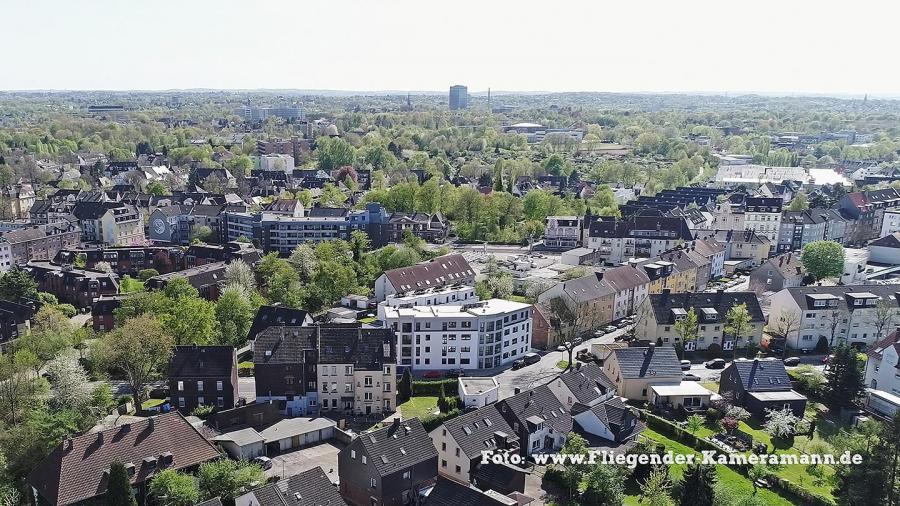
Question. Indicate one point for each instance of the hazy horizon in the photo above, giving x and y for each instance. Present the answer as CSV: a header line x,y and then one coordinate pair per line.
x,y
701,47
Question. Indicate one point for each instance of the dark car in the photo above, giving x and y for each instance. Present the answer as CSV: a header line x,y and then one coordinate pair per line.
x,y
518,364
792,361
532,358
454,373
716,363
685,365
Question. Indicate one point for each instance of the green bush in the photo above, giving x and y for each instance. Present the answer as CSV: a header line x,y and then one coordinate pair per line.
x,y
145,274
67,309
434,421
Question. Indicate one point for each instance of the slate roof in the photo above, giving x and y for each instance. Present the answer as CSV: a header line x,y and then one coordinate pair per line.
x,y
726,236
283,345
888,241
368,348
625,277
587,288
310,488
642,362
761,375
888,293
474,431
788,265
539,402
328,212
447,492
86,210
892,340
202,361
441,271
615,415
587,382
74,470
267,316
281,206
215,501
658,227
663,303
389,454
198,277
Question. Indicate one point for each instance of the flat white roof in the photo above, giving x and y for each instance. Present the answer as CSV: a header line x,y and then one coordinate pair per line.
x,y
887,396
788,395
473,385
683,388
487,307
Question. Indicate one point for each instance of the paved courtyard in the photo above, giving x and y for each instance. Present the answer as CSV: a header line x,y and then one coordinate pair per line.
x,y
322,455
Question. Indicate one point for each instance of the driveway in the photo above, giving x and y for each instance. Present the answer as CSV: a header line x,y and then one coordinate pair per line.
x,y
247,388
324,455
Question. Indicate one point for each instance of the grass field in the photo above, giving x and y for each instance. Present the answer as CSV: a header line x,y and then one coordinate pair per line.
x,y
418,407
562,364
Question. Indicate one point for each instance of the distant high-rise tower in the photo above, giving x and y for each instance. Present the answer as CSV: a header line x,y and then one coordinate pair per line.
x,y
459,97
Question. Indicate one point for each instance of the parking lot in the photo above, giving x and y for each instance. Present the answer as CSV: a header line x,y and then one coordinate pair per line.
x,y
322,455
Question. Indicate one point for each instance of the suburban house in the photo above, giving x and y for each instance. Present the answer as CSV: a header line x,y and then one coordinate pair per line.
x,y
77,469
635,370
442,271
356,370
430,227
585,384
309,488
478,392
661,311
15,319
537,418
562,232
760,386
203,376
834,313
611,420
388,466
777,273
208,279
882,381
284,365
460,441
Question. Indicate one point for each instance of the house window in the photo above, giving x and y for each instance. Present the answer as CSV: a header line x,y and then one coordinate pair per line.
x,y
219,386
368,381
220,402
201,401
457,452
443,463
348,370
353,454
406,475
364,460
180,386
458,470
181,402
199,386
372,482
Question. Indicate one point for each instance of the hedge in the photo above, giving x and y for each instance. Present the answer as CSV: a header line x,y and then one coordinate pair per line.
x,y
669,429
433,388
434,421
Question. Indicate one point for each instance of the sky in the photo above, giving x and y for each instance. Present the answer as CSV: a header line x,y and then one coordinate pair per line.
x,y
783,46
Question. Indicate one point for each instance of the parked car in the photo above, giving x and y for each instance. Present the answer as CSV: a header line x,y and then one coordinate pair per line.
x,y
560,348
263,462
689,377
454,373
609,328
432,374
716,363
599,332
792,361
685,365
531,358
577,340
518,364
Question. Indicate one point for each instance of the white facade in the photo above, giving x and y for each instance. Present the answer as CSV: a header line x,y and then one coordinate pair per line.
x,y
6,259
855,262
279,163
764,223
433,297
478,392
627,301
483,334
881,373
891,222
621,249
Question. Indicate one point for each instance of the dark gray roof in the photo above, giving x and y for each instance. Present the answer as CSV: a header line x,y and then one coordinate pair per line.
x,y
652,361
309,488
283,345
447,492
761,375
539,402
474,431
803,294
587,383
267,316
215,501
614,414
398,446
888,241
663,303
328,212
367,348
441,271
202,361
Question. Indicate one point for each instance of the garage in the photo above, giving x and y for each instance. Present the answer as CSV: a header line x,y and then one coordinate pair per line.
x,y
244,444
294,433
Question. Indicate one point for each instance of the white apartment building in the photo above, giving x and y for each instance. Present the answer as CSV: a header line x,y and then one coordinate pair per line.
x,y
891,222
478,335
763,216
881,370
851,310
453,294
279,163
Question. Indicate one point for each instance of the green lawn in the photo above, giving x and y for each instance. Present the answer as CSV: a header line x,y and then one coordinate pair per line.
x,y
418,407
152,403
712,386
562,364
727,476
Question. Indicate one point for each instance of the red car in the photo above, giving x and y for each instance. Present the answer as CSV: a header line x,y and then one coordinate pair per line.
x,y
432,374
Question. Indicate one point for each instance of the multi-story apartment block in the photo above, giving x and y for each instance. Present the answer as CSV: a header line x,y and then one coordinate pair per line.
x,y
356,370
618,240
295,147
78,287
443,271
562,232
452,294
15,319
110,223
43,242
763,216
799,228
867,209
277,162
478,335
860,315
662,311
740,244
459,97
18,201
890,223
284,365
125,260
881,366
203,376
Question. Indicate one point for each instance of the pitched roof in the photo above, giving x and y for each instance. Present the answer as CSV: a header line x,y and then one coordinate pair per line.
x,y
447,492
587,288
892,340
761,375
367,348
787,264
721,302
283,345
202,361
625,277
74,470
652,361
805,296
398,446
614,414
888,241
476,430
445,270
587,383
215,501
310,488
267,316
541,403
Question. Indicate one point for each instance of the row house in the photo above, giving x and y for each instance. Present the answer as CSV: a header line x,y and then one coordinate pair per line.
x,y
125,259
110,223
103,312
799,228
202,254
15,319
284,365
17,201
356,370
745,245
460,441
478,335
661,312
590,298
78,287
203,376
42,242
763,216
777,273
440,272
618,240
859,315
208,279
867,209
51,211
562,232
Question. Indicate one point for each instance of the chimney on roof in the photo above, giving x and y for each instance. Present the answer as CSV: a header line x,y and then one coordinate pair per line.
x,y
517,391
651,348
578,366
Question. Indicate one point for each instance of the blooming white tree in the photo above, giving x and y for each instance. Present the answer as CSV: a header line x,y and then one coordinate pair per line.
x,y
239,275
784,423
71,388
738,413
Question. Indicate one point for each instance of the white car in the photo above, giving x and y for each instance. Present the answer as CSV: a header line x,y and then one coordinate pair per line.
x,y
560,348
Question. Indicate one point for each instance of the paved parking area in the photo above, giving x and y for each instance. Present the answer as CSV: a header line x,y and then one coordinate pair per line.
x,y
322,455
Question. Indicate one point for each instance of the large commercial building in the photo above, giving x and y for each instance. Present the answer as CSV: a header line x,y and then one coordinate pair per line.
x,y
482,334
459,97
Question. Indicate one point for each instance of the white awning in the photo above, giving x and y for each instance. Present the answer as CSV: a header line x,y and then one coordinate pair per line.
x,y
685,388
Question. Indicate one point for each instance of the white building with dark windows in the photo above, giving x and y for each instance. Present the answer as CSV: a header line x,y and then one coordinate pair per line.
x,y
453,294
562,232
478,335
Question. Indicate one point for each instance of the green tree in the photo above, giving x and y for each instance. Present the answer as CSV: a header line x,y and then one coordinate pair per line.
x,y
605,486
738,325
227,479
799,203
687,329
845,382
171,488
555,164
333,153
823,259
202,234
145,274
573,474
694,423
655,490
332,196
157,188
698,485
191,320
234,315
139,348
405,389
757,473
118,489
17,284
